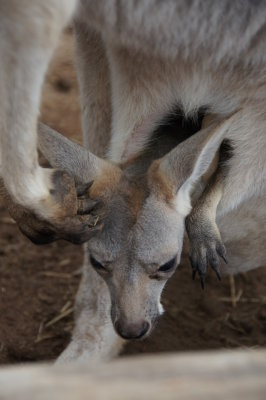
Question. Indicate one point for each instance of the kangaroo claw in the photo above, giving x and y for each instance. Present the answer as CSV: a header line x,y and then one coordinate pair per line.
x,y
202,281
220,248
206,247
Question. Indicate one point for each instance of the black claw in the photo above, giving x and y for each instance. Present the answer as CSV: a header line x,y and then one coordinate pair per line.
x,y
194,267
194,274
222,252
214,262
225,259
202,266
218,274
202,281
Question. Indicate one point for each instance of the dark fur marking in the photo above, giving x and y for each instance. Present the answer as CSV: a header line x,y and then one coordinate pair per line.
x,y
171,131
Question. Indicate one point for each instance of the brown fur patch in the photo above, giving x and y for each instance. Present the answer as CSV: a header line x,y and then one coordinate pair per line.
x,y
137,194
159,183
107,182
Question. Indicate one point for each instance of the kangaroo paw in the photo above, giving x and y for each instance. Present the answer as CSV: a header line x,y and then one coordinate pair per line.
x,y
73,216
206,246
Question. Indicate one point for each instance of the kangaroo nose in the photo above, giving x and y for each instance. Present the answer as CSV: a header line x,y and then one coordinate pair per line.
x,y
132,331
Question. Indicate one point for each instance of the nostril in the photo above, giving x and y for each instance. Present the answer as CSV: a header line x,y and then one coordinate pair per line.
x,y
145,328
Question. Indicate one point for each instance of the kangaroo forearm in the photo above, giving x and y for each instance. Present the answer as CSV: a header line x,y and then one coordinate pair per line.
x,y
211,196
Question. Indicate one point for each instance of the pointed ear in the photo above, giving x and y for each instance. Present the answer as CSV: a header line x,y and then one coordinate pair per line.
x,y
68,156
190,160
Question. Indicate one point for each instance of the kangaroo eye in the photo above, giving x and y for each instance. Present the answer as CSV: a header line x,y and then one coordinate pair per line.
x,y
168,266
96,264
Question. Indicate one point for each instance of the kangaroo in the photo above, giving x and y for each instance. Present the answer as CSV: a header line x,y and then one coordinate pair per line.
x,y
139,64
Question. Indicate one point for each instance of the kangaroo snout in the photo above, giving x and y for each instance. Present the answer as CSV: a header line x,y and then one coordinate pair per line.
x,y
132,331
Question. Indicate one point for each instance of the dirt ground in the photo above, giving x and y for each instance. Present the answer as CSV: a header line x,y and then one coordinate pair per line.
x,y
38,284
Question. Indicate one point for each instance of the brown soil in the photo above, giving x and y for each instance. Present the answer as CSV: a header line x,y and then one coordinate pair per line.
x,y
37,282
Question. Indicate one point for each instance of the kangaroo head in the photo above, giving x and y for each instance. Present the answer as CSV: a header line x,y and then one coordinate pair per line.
x,y
139,247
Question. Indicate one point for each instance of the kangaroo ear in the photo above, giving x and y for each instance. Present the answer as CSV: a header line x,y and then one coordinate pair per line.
x,y
68,156
190,160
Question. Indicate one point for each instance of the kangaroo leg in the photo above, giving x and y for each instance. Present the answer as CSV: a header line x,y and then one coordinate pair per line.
x,y
94,338
95,92
206,245
29,34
